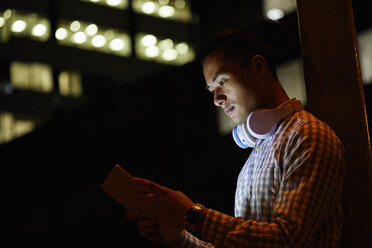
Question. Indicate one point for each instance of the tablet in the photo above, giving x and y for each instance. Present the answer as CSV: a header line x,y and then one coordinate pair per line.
x,y
120,186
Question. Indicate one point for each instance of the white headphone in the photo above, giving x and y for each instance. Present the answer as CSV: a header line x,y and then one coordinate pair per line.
x,y
262,123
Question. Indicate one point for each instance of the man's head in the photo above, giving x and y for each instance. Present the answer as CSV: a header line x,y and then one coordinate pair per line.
x,y
239,69
239,44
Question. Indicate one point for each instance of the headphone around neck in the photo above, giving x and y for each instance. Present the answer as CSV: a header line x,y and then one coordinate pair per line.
x,y
262,123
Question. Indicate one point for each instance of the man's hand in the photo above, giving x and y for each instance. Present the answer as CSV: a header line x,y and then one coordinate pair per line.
x,y
170,207
148,228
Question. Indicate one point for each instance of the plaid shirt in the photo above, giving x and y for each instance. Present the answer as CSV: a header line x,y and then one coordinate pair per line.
x,y
288,192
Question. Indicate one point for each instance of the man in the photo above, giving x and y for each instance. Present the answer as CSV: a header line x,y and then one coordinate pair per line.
x,y
289,190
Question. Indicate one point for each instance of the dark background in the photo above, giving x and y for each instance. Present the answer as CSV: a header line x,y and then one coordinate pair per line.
x,y
162,127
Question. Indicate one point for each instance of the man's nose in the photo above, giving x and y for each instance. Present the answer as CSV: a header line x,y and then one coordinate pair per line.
x,y
219,98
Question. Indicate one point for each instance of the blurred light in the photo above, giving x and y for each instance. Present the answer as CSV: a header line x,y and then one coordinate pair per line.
x,y
61,33
166,11
93,37
18,26
285,6
148,7
7,126
75,26
79,37
113,3
275,14
116,44
364,40
109,34
8,89
169,54
182,48
98,41
180,4
91,30
166,44
70,84
7,14
39,30
151,51
23,127
148,40
63,82
163,2
1,21
41,79
292,78
94,1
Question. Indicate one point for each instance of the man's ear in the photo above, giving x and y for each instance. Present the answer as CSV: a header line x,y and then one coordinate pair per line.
x,y
260,65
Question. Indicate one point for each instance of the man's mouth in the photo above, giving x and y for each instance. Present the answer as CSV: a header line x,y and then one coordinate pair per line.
x,y
229,110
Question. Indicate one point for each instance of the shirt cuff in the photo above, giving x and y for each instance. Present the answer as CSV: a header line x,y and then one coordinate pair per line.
x,y
214,227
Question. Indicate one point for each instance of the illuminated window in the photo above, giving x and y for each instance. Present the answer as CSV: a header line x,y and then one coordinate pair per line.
x,y
31,76
150,47
276,9
169,9
70,84
24,24
365,55
119,4
12,127
93,37
291,77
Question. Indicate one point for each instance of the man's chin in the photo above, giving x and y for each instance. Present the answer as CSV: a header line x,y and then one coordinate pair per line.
x,y
238,121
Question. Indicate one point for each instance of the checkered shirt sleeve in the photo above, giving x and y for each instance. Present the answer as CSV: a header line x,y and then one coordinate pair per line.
x,y
305,208
187,240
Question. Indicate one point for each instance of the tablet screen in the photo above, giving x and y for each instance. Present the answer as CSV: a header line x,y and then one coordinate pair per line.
x,y
120,186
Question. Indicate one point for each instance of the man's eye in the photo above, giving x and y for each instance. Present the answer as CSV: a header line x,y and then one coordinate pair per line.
x,y
222,82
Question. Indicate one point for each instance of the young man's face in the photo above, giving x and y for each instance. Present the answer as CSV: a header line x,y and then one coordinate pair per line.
x,y
234,87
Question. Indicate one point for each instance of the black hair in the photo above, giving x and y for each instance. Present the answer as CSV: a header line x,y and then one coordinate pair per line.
x,y
240,44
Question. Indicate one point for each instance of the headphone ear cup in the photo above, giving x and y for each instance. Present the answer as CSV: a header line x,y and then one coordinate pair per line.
x,y
262,123
242,137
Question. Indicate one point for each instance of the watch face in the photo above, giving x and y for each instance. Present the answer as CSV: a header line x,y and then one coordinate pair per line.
x,y
193,217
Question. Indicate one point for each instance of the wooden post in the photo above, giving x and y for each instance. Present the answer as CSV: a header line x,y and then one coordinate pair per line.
x,y
335,95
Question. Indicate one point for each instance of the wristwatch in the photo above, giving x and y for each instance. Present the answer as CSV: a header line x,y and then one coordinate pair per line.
x,y
193,215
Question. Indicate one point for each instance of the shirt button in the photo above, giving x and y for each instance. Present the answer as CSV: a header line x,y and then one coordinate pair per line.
x,y
258,148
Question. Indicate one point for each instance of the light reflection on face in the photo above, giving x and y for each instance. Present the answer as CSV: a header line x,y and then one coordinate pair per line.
x,y
233,86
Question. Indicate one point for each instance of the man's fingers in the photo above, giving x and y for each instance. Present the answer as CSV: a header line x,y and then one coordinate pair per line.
x,y
149,230
151,186
147,227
